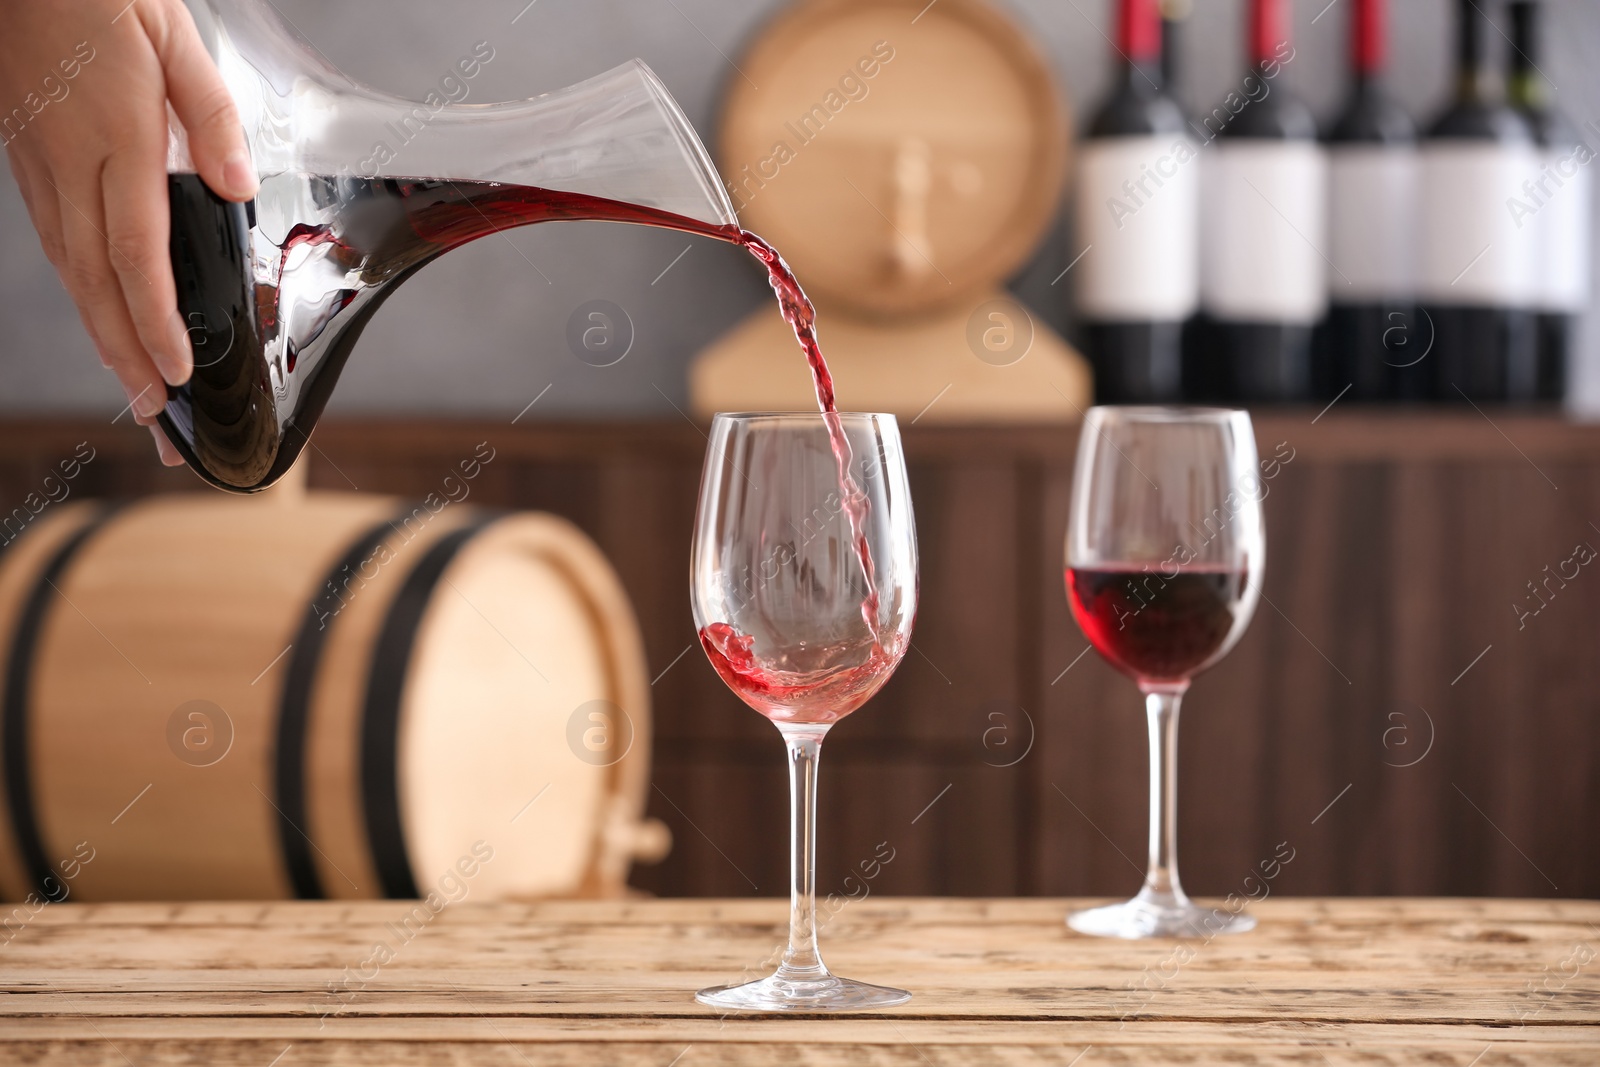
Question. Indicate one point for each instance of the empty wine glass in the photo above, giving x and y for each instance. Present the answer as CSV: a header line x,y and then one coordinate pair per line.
x,y
803,578
1164,554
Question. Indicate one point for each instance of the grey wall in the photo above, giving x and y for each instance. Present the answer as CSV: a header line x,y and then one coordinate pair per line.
x,y
481,331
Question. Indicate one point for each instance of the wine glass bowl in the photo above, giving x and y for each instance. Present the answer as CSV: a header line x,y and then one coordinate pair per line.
x,y
786,611
803,577
1165,549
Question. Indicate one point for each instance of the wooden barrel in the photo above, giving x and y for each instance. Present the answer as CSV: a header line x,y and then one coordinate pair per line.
x,y
320,696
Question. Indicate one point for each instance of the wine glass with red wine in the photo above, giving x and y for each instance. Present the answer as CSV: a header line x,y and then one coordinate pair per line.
x,y
1165,549
804,584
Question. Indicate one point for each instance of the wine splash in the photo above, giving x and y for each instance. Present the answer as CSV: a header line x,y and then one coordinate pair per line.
x,y
277,291
820,696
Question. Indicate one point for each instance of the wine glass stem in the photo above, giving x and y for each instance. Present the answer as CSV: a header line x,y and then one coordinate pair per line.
x,y
1161,884
801,960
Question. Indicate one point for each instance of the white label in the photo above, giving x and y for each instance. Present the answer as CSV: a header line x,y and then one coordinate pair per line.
x,y
1556,205
1372,197
1139,218
1473,252
1262,233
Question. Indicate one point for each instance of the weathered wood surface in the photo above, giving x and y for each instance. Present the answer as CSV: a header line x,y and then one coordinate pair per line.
x,y
1351,981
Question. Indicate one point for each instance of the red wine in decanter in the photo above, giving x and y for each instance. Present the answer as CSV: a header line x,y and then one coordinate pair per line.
x,y
272,329
275,293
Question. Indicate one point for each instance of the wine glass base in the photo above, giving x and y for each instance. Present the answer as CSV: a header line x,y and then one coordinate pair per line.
x,y
1138,918
828,993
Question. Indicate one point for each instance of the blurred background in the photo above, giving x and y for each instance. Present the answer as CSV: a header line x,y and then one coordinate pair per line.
x,y
503,339
1411,708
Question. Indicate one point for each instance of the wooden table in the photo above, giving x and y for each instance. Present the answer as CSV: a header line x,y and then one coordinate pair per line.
x,y
1321,981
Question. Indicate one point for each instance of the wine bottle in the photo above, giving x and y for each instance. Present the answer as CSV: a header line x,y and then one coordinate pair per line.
x,y
1478,269
1556,205
1262,240
1138,211
1369,347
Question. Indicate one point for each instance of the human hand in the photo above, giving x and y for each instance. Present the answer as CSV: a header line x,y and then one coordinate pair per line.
x,y
84,89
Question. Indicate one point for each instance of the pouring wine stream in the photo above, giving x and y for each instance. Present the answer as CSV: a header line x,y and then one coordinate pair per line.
x,y
282,288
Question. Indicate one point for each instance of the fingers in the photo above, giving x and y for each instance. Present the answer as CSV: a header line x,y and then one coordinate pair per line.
x,y
136,209
97,291
203,104
170,456
43,211
93,177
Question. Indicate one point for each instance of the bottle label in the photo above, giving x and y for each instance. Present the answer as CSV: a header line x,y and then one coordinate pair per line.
x,y
1263,227
1138,217
1556,205
1372,198
1472,250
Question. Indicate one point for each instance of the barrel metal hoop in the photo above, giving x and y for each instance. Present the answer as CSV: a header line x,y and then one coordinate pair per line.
x,y
294,713
380,720
14,708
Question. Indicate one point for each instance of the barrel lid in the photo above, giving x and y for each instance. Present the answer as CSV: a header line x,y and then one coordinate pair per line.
x,y
901,154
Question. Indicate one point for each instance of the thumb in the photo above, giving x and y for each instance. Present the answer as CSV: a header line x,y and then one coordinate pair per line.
x,y
201,100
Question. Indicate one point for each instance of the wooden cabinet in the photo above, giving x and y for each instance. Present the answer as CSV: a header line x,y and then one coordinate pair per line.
x,y
1391,712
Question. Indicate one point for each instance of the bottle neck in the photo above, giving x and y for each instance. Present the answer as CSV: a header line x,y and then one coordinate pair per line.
x,y
1365,86
1269,31
1368,38
1477,80
1526,87
1174,13
1141,78
1139,38
1171,33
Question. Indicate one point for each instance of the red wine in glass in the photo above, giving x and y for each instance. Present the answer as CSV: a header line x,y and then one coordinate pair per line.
x,y
1158,625
777,596
1165,549
845,677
